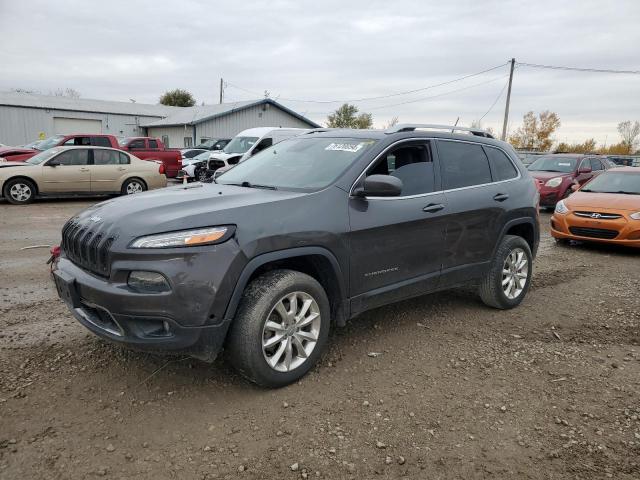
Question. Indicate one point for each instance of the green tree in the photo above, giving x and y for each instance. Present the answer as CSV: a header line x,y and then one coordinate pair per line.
x,y
347,117
177,98
536,132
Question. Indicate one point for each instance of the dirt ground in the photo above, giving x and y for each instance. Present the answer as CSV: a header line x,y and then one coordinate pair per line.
x,y
549,390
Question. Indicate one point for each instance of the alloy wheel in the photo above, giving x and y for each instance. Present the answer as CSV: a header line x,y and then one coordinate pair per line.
x,y
134,187
20,192
515,272
291,331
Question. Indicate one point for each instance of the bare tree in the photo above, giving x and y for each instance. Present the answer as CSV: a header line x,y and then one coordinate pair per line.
x,y
629,131
391,123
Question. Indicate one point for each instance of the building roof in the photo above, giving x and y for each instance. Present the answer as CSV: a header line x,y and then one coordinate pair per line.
x,y
50,102
199,114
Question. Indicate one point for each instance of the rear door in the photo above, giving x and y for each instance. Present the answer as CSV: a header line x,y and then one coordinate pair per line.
x,y
476,206
109,167
396,242
71,175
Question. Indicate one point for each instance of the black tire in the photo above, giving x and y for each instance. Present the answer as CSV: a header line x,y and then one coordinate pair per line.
x,y
244,349
130,182
26,191
491,290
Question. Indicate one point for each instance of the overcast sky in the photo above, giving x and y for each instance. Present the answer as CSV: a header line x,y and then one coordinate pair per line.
x,y
338,50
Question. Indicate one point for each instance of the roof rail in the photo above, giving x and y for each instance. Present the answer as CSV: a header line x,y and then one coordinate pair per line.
x,y
410,127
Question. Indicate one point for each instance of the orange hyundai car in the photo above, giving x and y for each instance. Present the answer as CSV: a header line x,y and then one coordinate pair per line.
x,y
607,209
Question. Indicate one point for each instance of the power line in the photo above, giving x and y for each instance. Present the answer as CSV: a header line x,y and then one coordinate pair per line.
x,y
495,101
578,69
355,100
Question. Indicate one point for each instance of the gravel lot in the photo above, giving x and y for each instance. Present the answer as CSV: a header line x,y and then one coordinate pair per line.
x,y
549,390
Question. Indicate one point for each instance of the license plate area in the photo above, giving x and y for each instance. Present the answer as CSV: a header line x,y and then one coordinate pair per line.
x,y
66,287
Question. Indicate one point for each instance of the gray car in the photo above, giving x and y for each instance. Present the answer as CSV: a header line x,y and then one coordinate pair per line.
x,y
299,239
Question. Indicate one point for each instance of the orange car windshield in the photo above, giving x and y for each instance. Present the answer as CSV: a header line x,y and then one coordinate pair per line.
x,y
624,183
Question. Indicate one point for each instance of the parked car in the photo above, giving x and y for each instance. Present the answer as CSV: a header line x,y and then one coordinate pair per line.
x,y
248,143
80,139
214,144
16,154
607,209
195,168
555,173
78,171
301,238
625,160
187,153
147,148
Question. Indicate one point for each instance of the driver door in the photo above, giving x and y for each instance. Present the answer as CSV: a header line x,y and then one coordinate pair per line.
x,y
70,175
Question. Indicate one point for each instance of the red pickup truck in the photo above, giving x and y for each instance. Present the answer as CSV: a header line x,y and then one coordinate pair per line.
x,y
144,148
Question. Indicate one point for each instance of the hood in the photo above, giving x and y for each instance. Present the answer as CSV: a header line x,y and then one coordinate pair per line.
x,y
14,164
603,201
4,150
221,155
178,208
549,175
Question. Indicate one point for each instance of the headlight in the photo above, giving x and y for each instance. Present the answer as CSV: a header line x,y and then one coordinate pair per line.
x,y
184,238
561,208
554,182
635,216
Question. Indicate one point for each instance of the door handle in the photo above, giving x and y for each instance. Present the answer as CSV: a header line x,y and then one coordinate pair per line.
x,y
501,197
84,169
122,169
433,207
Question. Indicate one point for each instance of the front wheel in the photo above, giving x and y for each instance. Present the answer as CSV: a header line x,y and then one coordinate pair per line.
x,y
19,191
506,283
133,185
280,329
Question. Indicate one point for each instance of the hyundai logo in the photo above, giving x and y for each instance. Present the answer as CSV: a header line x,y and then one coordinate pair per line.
x,y
595,215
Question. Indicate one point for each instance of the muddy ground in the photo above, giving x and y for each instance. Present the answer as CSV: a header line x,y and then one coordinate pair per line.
x,y
549,390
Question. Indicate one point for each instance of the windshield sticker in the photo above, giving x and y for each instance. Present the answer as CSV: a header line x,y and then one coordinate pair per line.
x,y
344,147
564,164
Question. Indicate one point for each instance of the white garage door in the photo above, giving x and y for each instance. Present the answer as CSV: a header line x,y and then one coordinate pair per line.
x,y
67,126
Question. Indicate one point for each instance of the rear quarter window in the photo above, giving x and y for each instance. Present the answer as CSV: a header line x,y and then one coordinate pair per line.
x,y
501,167
463,164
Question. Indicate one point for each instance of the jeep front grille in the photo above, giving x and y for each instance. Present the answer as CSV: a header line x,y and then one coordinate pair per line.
x,y
86,247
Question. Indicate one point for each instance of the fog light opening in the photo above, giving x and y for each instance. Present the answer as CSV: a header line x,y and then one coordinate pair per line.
x,y
147,282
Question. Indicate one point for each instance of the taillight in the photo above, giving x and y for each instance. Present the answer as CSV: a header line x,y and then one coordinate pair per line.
x,y
161,169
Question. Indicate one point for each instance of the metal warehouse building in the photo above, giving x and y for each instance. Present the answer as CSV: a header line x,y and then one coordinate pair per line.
x,y
27,117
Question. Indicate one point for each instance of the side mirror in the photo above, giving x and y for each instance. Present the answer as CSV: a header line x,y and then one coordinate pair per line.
x,y
584,170
379,186
53,163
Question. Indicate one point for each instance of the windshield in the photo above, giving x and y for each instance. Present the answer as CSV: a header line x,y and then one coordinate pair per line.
x,y
240,144
49,143
300,164
615,182
43,156
207,143
552,163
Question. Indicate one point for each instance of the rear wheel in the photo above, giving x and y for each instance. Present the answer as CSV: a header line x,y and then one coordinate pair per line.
x,y
133,185
19,191
506,283
280,329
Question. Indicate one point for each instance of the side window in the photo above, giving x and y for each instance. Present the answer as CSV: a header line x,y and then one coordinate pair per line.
x,y
100,141
595,164
73,157
137,144
264,143
153,144
77,141
124,158
463,164
501,167
106,157
411,163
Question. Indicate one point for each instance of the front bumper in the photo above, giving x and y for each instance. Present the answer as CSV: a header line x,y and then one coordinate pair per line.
x,y
188,320
550,196
628,229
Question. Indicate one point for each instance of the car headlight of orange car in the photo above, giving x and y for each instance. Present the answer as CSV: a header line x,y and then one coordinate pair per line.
x,y
635,216
561,208
554,182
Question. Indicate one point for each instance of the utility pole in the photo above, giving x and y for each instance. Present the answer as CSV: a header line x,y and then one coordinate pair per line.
x,y
222,89
506,107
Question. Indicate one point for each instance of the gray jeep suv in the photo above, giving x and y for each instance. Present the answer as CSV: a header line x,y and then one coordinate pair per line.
x,y
301,237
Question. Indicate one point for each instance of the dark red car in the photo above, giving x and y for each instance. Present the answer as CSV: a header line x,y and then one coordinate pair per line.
x,y
555,173
16,154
